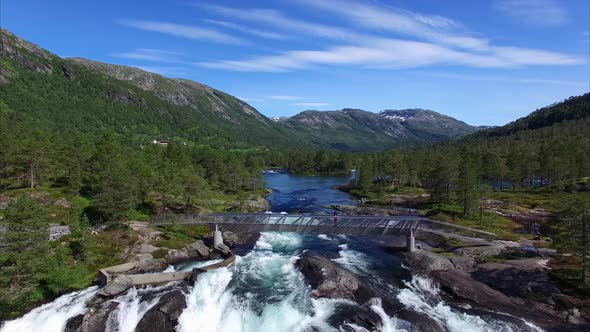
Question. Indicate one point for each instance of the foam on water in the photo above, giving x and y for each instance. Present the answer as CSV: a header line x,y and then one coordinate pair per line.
x,y
191,265
326,237
422,296
51,317
131,310
278,241
263,291
353,260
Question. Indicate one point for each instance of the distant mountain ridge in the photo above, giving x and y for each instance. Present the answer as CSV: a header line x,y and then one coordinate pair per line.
x,y
359,130
81,95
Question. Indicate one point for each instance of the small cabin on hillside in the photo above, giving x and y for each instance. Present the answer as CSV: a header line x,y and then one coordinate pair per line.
x,y
160,142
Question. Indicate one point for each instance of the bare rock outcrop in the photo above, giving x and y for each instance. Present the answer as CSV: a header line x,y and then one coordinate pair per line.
x,y
164,315
330,280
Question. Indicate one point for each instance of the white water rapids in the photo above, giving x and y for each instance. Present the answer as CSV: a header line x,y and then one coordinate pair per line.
x,y
262,291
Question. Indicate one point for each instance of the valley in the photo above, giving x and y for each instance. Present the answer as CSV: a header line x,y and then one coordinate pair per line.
x,y
104,150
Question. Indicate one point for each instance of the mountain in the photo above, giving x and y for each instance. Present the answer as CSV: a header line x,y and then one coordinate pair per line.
x,y
358,130
429,125
571,109
84,96
87,96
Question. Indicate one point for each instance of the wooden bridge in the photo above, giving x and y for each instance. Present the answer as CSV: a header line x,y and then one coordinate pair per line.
x,y
406,225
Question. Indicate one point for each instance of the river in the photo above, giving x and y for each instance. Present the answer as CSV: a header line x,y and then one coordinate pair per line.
x,y
309,194
264,291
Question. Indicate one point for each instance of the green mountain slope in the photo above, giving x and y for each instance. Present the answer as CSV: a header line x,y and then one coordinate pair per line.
x,y
571,109
87,96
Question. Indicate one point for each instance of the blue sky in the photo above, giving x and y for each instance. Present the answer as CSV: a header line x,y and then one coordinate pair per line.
x,y
484,62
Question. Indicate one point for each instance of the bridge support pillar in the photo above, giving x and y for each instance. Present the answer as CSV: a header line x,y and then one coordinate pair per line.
x,y
217,238
410,241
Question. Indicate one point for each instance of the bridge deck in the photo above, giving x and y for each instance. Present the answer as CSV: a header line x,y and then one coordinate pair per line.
x,y
322,224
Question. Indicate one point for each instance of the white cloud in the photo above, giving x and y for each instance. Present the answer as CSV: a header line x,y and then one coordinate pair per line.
x,y
184,31
440,41
538,12
279,21
311,104
395,53
386,19
149,54
248,30
511,79
284,97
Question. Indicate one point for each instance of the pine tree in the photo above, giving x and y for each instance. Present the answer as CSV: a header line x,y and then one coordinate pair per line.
x,y
467,182
575,234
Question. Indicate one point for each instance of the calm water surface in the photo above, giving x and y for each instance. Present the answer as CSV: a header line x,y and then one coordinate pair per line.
x,y
302,193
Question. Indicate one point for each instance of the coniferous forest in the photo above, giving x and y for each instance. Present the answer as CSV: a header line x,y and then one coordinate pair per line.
x,y
80,148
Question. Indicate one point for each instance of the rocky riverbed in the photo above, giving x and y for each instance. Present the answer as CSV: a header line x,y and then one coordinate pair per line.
x,y
290,282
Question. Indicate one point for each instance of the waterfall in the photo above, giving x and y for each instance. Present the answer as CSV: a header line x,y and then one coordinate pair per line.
x,y
52,317
264,291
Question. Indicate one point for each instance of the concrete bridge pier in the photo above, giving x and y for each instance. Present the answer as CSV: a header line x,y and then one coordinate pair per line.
x,y
217,238
410,241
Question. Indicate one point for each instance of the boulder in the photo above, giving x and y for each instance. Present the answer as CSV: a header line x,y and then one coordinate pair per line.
x,y
460,285
463,263
525,278
115,287
199,247
176,256
146,263
330,280
246,240
422,261
494,248
223,249
164,315
95,320
74,324
363,316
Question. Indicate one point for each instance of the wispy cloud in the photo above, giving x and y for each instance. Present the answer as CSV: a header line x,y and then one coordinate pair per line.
x,y
393,53
511,79
437,40
149,54
276,19
394,20
284,97
248,30
538,12
184,31
311,104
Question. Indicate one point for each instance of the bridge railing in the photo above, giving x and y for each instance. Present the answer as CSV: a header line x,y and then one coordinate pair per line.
x,y
345,224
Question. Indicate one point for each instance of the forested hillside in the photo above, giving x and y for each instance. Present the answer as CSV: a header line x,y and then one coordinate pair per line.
x,y
571,109
71,95
76,95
